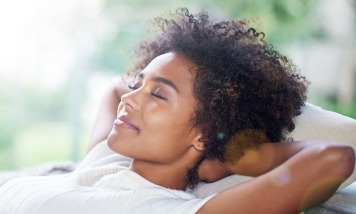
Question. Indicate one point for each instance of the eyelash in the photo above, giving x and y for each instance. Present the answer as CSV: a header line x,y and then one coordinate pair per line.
x,y
152,93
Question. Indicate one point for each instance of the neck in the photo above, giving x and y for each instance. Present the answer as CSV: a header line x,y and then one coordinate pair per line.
x,y
171,175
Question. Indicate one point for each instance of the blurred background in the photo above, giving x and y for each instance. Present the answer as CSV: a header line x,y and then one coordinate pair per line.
x,y
57,56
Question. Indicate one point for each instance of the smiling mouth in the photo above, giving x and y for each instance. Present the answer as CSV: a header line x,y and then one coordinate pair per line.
x,y
123,121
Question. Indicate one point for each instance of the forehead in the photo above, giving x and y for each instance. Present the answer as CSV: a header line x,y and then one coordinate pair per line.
x,y
172,66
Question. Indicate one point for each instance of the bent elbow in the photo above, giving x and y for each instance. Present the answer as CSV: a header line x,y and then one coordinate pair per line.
x,y
340,159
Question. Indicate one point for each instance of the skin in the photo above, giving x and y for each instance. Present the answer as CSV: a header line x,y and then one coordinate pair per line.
x,y
290,177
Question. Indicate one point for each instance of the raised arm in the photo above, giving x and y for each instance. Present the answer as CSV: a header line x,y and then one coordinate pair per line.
x,y
293,177
107,110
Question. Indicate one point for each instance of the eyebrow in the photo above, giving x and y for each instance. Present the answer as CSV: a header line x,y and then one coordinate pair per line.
x,y
161,80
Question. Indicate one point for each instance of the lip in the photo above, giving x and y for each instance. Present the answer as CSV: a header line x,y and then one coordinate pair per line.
x,y
125,122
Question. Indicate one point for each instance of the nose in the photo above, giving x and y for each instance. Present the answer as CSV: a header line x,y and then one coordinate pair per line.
x,y
131,100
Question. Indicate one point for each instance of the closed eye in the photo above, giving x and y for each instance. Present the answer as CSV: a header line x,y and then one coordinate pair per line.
x,y
156,93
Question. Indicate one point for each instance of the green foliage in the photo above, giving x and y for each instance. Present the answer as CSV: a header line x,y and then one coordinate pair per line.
x,y
46,105
330,102
21,109
7,122
114,53
7,134
36,144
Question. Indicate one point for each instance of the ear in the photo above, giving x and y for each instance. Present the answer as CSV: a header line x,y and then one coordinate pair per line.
x,y
198,143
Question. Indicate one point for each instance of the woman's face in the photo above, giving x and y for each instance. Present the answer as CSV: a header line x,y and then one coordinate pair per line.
x,y
153,120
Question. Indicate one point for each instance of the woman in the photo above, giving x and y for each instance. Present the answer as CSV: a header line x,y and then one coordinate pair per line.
x,y
207,100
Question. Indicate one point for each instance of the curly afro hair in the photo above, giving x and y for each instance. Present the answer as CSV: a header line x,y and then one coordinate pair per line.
x,y
241,82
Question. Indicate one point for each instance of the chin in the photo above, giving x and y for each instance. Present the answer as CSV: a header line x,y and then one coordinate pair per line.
x,y
112,137
115,143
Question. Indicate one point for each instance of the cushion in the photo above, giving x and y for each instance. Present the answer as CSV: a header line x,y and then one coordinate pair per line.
x,y
343,201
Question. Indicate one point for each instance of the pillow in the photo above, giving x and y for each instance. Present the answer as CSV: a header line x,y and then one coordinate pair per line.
x,y
314,123
343,201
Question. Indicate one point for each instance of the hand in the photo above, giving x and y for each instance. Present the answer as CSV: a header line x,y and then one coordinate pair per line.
x,y
212,170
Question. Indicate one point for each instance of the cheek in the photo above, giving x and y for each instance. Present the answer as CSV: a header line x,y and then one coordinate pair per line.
x,y
167,118
167,127
168,139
